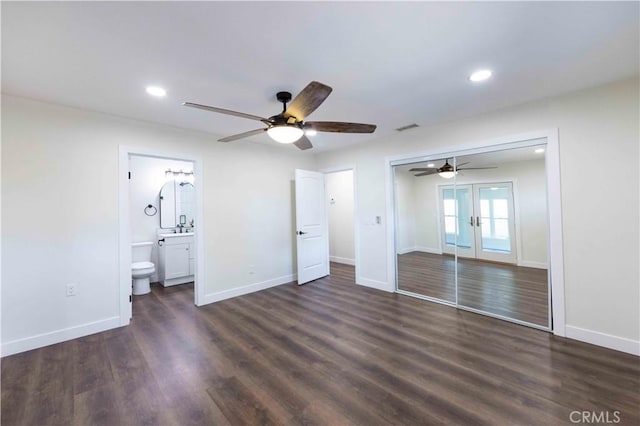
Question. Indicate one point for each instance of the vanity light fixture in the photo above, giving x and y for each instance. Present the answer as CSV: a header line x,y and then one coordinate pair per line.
x,y
179,176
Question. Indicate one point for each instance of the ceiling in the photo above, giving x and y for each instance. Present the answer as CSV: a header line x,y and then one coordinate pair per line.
x,y
390,64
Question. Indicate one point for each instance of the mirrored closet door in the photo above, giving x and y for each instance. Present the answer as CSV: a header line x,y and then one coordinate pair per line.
x,y
471,231
422,267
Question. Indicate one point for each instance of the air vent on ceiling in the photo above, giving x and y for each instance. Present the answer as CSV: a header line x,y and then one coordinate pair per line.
x,y
407,127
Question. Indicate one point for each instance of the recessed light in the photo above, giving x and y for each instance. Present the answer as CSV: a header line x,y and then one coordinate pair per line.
x,y
480,75
156,91
539,150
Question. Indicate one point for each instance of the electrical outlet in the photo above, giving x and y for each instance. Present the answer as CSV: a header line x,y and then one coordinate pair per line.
x,y
71,289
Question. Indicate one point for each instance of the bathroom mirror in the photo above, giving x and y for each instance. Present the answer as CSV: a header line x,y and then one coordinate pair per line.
x,y
176,204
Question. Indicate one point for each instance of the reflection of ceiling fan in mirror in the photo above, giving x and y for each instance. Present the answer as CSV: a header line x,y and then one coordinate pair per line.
x,y
289,126
446,171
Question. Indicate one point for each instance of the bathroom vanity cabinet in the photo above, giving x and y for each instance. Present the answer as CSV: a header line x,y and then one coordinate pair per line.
x,y
176,258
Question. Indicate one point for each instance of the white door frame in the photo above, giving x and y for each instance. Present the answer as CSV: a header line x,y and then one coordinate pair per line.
x,y
554,206
356,230
124,224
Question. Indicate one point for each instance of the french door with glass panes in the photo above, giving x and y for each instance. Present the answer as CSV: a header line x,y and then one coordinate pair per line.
x,y
478,219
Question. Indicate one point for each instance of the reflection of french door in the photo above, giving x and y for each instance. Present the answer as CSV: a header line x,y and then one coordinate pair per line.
x,y
478,219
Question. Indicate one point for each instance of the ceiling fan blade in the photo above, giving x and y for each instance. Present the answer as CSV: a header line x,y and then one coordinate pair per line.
x,y
421,169
476,168
308,100
242,135
340,127
462,164
429,172
303,143
225,111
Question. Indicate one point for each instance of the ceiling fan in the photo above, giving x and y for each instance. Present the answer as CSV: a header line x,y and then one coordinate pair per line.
x,y
447,171
289,126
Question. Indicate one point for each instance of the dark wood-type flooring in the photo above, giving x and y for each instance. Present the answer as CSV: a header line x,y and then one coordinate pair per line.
x,y
511,291
329,352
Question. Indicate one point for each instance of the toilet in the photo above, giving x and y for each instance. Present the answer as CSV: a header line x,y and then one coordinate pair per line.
x,y
141,267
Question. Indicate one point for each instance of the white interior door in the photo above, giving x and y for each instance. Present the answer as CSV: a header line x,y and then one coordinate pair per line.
x,y
312,235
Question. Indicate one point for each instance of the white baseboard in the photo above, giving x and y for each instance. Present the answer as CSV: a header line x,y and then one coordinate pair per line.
x,y
406,250
533,264
343,260
251,288
378,285
421,249
621,344
58,336
428,250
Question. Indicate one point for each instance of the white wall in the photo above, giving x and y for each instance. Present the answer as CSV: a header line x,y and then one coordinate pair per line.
x,y
147,178
425,193
405,211
600,220
339,188
60,198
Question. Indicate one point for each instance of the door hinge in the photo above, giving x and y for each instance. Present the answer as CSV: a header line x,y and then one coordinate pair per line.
x,y
129,175
129,298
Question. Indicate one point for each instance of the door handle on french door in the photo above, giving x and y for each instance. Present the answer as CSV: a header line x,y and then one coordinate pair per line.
x,y
471,221
478,221
301,232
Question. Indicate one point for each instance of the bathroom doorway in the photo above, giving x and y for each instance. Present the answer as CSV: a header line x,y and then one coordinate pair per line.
x,y
160,211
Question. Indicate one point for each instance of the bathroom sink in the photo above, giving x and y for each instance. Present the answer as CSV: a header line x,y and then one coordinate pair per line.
x,y
172,235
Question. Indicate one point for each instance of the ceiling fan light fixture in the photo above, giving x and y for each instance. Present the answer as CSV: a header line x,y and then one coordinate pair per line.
x,y
285,133
447,174
447,171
